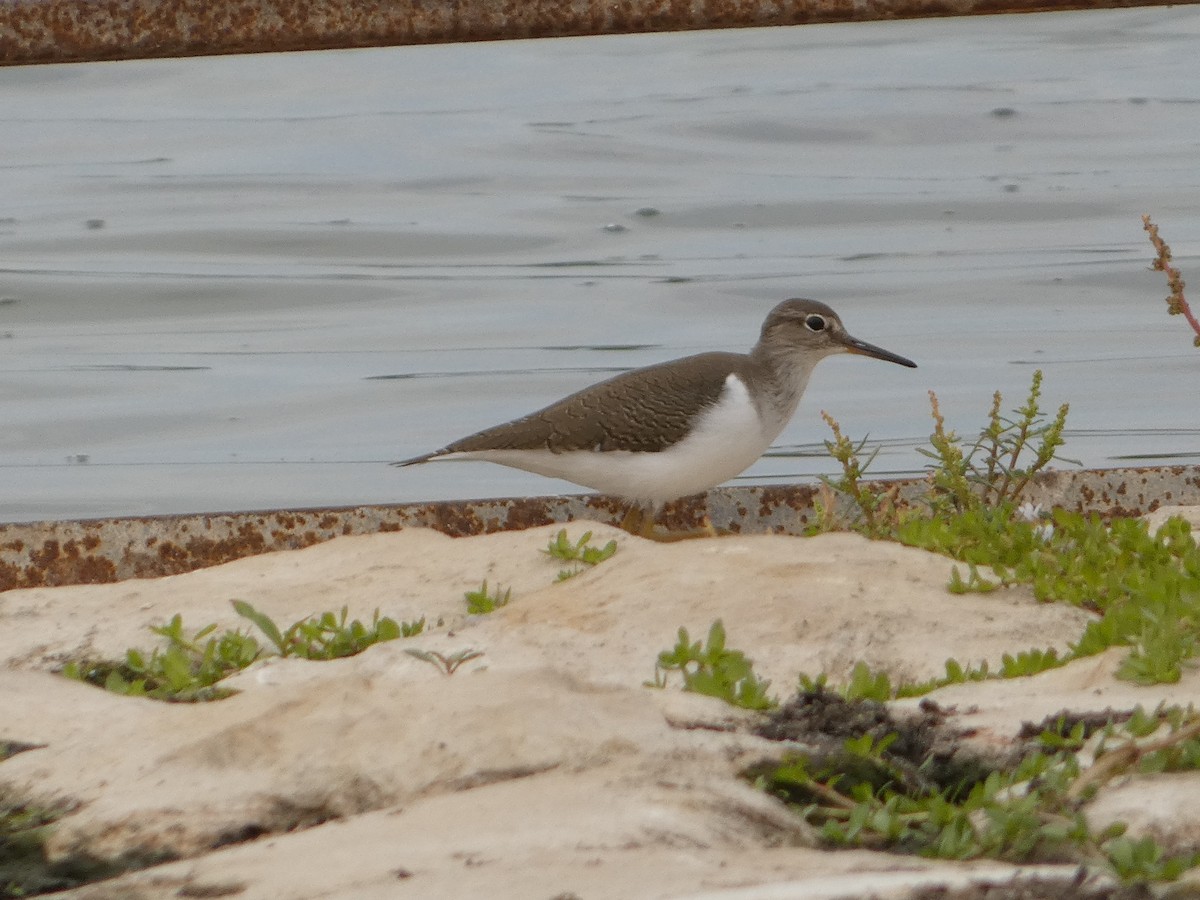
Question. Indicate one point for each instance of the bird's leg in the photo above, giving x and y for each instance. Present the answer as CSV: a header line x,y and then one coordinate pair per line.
x,y
649,514
639,520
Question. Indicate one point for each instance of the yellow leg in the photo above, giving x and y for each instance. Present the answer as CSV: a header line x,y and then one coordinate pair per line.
x,y
640,521
634,520
704,531
648,525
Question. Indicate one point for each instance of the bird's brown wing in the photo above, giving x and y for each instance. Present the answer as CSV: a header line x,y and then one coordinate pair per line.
x,y
645,411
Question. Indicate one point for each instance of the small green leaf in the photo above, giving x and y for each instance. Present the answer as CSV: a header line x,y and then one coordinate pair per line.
x,y
388,630
264,623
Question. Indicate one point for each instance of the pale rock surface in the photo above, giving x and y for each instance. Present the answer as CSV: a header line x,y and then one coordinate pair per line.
x,y
542,768
1160,806
1156,519
993,711
803,604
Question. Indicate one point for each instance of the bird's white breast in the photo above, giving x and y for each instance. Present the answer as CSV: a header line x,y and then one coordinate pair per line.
x,y
723,442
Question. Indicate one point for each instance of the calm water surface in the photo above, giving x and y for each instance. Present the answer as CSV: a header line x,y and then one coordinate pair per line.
x,y
248,282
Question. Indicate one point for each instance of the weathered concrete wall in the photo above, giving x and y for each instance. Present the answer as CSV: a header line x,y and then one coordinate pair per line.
x,y
102,550
44,31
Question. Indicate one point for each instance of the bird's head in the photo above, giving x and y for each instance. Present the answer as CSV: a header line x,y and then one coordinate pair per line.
x,y
812,330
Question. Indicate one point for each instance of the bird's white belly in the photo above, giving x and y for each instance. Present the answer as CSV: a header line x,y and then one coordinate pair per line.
x,y
724,441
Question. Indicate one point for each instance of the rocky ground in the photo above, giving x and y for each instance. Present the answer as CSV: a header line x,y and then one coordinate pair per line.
x,y
544,767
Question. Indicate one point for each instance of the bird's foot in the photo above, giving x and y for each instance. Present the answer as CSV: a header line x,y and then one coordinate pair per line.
x,y
640,522
669,537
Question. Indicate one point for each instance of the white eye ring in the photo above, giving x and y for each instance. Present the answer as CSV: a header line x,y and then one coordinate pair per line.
x,y
813,322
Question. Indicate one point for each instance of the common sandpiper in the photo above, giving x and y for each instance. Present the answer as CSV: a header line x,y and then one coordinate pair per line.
x,y
676,428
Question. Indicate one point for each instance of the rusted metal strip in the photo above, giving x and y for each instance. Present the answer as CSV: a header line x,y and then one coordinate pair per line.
x,y
102,550
43,31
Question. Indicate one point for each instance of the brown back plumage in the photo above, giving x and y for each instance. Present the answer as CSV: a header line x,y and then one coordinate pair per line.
x,y
646,410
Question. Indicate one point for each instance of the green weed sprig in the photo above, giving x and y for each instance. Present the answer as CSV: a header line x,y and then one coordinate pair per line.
x,y
993,473
580,554
328,636
876,504
480,602
189,669
865,683
714,670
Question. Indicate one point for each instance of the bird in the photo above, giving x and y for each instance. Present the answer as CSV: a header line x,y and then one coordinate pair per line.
x,y
676,428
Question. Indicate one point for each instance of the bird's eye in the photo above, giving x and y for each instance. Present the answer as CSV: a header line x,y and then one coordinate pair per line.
x,y
814,322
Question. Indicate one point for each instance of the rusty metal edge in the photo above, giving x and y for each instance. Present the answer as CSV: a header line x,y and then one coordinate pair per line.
x,y
59,31
104,550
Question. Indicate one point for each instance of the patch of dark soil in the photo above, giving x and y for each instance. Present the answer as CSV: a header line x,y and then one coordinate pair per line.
x,y
816,717
24,869
212,889
921,749
1064,722
12,748
1081,887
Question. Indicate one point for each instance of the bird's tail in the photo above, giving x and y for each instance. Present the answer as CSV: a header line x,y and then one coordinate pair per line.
x,y
416,460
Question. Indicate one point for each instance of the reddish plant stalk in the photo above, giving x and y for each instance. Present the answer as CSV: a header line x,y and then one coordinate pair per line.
x,y
1177,305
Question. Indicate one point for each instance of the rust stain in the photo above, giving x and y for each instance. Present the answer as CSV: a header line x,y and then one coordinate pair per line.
x,y
89,552
50,31
10,576
524,513
56,563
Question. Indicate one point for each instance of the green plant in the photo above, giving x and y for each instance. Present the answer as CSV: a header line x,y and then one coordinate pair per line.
x,y
1146,860
994,471
186,670
327,636
975,582
1145,586
1061,736
189,669
867,684
714,670
990,475
480,602
866,796
878,506
580,554
413,628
